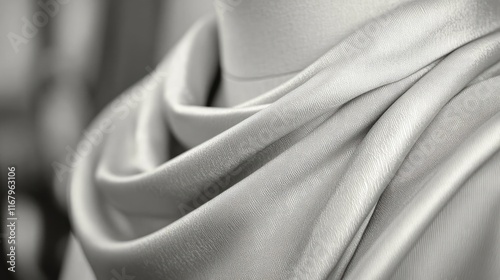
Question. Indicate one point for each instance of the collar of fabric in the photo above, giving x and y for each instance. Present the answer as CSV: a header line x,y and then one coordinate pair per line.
x,y
385,50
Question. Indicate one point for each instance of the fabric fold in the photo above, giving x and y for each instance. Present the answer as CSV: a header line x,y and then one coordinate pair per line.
x,y
340,172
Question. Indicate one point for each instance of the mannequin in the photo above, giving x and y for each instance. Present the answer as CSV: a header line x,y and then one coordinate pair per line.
x,y
264,43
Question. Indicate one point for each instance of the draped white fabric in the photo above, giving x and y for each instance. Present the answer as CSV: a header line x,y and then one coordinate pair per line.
x,y
380,160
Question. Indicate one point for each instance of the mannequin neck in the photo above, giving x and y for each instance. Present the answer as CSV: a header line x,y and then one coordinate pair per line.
x,y
264,43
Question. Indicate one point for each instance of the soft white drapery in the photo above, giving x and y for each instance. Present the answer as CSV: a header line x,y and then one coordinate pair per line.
x,y
380,160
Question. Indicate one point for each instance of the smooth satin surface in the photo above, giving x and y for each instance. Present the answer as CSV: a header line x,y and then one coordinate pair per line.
x,y
381,160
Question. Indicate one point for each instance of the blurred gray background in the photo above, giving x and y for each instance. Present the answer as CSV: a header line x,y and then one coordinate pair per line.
x,y
61,62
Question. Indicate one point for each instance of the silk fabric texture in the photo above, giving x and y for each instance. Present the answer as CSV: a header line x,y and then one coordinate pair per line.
x,y
378,161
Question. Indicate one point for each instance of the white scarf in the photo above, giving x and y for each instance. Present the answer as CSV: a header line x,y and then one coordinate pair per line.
x,y
379,160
